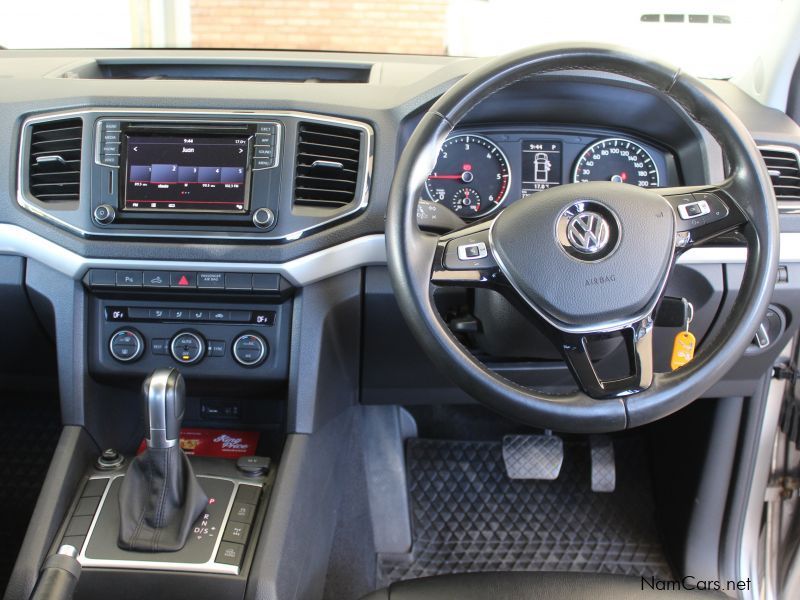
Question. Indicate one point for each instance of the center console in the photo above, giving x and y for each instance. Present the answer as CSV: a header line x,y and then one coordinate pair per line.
x,y
214,326
161,514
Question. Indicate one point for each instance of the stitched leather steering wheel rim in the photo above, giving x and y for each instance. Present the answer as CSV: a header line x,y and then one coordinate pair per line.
x,y
416,259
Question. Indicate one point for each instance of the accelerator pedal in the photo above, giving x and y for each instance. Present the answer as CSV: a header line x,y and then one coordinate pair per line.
x,y
604,467
533,456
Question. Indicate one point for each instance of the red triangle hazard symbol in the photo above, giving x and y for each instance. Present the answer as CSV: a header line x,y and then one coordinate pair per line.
x,y
183,280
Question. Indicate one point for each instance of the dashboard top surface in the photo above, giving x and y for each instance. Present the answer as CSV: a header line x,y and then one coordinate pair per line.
x,y
574,109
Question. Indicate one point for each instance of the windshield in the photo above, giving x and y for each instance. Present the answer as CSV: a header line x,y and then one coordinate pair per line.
x,y
714,38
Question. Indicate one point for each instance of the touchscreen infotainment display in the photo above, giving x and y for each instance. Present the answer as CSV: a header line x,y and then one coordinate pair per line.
x,y
186,173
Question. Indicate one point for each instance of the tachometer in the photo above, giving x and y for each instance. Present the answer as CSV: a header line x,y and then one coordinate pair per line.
x,y
471,176
617,159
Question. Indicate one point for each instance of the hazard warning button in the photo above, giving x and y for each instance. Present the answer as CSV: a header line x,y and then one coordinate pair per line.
x,y
182,279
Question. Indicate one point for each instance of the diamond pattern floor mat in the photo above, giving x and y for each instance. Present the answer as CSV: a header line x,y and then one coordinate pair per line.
x,y
468,516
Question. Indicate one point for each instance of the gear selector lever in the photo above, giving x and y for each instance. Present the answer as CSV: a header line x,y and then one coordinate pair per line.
x,y
160,497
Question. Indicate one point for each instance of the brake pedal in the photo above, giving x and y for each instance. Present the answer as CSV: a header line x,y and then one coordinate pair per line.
x,y
533,456
604,467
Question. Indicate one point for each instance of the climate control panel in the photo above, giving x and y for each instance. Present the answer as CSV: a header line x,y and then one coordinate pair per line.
x,y
204,340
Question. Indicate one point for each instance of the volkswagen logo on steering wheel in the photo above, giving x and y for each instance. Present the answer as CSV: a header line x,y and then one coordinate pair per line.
x,y
588,232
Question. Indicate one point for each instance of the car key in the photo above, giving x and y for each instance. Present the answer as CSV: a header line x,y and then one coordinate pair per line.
x,y
685,342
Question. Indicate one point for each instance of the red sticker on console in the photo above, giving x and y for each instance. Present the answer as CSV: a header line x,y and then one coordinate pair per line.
x,y
217,443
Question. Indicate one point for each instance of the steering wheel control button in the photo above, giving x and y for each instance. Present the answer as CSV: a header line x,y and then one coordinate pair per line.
x,y
469,253
698,209
126,345
187,348
691,210
588,231
250,350
105,214
472,251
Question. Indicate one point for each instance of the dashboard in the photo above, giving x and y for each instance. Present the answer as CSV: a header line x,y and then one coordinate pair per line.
x,y
481,170
537,133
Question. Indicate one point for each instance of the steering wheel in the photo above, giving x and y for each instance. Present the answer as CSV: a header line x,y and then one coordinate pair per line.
x,y
585,260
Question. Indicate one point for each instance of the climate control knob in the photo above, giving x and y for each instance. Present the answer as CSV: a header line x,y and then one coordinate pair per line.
x,y
187,347
126,345
250,349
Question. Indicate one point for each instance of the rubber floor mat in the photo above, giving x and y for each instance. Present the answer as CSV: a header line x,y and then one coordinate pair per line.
x,y
468,516
29,430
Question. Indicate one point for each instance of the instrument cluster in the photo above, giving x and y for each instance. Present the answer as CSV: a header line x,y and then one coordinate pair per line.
x,y
478,172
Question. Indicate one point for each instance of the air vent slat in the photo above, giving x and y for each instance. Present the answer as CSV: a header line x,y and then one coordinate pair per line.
x,y
334,138
308,158
784,171
321,148
327,170
54,160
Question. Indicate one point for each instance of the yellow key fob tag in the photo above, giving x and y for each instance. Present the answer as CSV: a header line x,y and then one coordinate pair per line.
x,y
682,349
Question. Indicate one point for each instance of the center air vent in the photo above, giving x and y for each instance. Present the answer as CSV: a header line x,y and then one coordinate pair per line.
x,y
784,171
55,160
327,165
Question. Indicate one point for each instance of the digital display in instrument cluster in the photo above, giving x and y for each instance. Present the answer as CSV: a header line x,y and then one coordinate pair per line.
x,y
541,165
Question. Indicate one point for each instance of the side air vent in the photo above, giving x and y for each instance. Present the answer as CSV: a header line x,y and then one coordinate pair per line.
x,y
55,160
784,171
327,165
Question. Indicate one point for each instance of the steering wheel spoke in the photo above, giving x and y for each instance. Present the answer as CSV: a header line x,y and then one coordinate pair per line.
x,y
704,213
638,341
464,258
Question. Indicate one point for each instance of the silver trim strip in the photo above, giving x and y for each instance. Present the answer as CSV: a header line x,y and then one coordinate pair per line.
x,y
29,203
354,254
208,567
360,252
749,563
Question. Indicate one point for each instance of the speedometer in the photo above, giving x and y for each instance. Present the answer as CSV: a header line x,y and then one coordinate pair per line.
x,y
619,160
470,177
